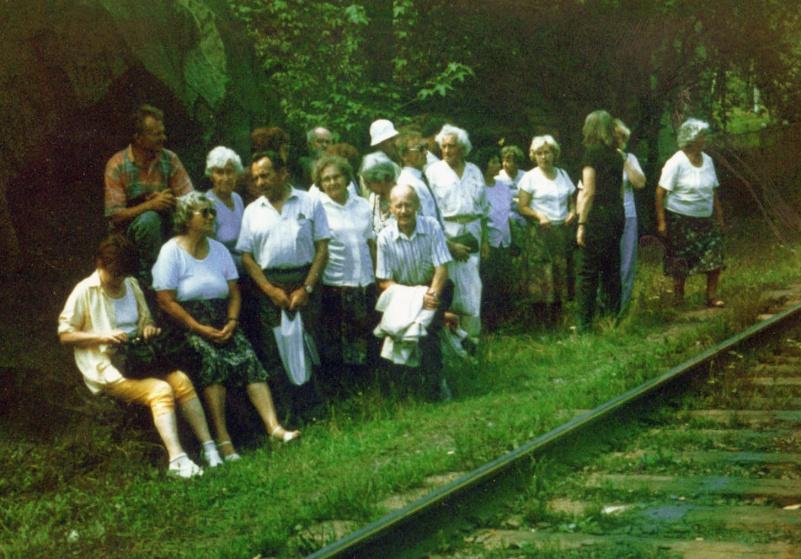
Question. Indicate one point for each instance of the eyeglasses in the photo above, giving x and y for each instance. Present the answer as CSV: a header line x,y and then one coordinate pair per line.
x,y
420,148
207,212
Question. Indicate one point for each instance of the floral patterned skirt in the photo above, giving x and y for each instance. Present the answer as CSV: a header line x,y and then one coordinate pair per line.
x,y
233,364
549,263
695,245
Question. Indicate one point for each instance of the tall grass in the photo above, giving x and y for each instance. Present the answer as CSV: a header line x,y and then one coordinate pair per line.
x,y
97,492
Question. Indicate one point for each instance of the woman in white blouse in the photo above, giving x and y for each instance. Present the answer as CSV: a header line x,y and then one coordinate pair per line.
x,y
546,199
103,315
195,280
379,174
224,167
348,282
689,215
459,189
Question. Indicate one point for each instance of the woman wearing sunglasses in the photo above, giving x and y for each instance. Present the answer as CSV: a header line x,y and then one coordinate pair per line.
x,y
195,280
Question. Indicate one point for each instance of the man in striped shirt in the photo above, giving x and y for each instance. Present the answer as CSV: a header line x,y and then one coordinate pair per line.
x,y
412,251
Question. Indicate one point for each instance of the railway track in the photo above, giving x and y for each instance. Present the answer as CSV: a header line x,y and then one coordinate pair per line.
x,y
703,461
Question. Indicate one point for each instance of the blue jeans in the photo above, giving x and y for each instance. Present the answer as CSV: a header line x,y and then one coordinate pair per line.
x,y
147,232
628,260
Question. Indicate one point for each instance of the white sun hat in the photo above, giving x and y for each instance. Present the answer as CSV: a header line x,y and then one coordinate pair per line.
x,y
381,130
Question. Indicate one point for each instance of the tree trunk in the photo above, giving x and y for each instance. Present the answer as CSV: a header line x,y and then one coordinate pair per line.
x,y
9,245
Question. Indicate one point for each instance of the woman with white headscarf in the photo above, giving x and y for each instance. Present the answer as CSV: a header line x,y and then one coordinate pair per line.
x,y
462,199
688,213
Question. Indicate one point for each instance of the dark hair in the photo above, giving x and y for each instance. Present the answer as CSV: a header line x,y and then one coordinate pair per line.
x,y
483,155
326,161
269,138
117,255
278,163
346,151
407,134
141,113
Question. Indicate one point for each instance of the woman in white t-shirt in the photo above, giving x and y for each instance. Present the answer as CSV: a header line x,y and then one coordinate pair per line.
x,y
546,198
195,280
689,215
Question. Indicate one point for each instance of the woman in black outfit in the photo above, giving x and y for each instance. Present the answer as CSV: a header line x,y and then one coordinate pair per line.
x,y
601,217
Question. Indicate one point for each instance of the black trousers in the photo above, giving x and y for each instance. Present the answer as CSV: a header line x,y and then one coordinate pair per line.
x,y
600,265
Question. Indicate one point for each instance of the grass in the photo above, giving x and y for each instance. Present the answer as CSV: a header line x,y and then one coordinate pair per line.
x,y
90,486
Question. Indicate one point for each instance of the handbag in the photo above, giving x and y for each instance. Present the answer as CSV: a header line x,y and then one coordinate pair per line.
x,y
296,348
467,240
138,358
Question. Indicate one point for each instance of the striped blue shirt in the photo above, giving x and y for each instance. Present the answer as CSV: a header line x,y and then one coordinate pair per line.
x,y
411,260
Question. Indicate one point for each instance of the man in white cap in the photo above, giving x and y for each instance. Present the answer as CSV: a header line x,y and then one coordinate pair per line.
x,y
382,138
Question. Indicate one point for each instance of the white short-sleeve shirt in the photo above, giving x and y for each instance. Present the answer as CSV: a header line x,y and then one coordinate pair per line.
x,y
549,197
465,196
690,189
193,279
283,240
351,226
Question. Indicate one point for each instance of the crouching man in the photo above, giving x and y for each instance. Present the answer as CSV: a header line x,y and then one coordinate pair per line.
x,y
412,252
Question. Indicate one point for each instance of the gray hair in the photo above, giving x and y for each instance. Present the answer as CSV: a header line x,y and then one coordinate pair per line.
x,y
461,137
513,151
547,140
187,205
690,130
377,167
313,132
221,156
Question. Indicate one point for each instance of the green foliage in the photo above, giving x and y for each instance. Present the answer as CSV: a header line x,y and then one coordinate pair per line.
x,y
344,63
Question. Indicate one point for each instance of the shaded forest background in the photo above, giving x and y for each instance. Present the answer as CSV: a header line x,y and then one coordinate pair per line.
x,y
72,70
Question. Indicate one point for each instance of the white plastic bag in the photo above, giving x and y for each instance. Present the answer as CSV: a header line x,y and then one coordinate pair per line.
x,y
295,347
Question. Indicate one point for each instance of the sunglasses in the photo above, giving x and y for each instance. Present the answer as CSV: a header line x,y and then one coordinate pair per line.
x,y
207,212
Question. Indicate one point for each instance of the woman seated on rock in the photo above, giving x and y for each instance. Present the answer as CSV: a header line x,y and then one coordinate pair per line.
x,y
195,280
105,312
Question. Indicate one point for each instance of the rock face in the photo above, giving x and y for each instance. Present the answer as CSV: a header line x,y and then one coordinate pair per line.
x,y
71,71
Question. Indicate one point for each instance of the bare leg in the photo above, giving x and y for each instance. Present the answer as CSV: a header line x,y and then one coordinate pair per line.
x,y
678,288
167,426
712,285
193,413
214,395
262,400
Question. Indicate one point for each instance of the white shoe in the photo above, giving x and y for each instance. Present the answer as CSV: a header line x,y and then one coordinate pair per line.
x,y
183,467
212,458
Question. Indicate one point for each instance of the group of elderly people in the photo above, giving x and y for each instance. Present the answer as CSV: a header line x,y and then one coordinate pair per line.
x,y
395,256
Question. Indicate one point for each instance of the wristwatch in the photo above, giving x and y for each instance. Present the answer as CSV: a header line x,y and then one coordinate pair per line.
x,y
309,288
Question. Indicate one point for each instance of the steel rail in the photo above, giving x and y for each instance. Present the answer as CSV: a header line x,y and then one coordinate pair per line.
x,y
382,527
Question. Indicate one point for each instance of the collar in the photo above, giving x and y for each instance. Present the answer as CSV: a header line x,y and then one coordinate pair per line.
x,y
414,171
397,233
129,153
293,193
94,279
326,200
